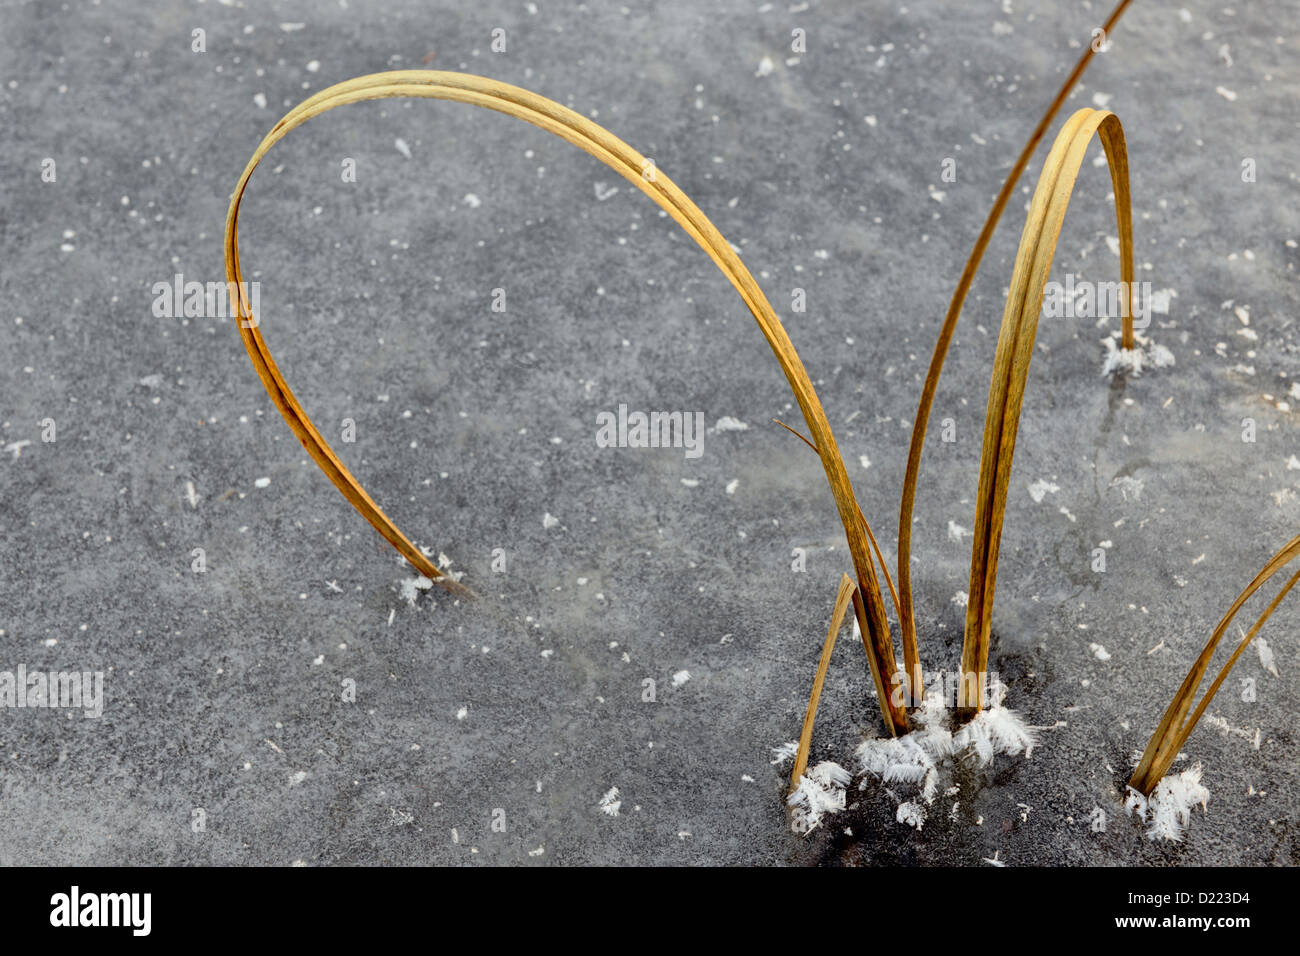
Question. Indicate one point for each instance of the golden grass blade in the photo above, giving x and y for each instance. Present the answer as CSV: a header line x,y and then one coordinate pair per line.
x,y
627,162
907,617
891,705
1011,361
842,598
1172,732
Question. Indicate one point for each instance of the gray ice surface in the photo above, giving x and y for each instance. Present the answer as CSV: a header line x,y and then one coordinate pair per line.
x,y
224,689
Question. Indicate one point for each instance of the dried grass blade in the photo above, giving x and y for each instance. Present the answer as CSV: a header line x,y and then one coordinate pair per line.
x,y
627,162
907,616
842,599
1011,363
1172,732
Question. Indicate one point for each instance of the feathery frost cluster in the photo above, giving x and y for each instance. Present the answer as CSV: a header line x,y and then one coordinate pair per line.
x,y
820,791
1168,810
920,756
916,758
1134,360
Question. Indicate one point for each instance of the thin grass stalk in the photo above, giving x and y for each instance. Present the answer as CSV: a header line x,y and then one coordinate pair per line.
x,y
627,162
1172,732
842,599
1011,362
875,546
921,422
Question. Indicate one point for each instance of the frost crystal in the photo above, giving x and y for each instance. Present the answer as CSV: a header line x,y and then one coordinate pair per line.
x,y
911,813
1168,810
918,757
820,791
1134,360
610,802
997,730
784,752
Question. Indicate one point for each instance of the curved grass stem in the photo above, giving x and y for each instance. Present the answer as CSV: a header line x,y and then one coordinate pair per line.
x,y
1011,362
642,173
1172,732
907,617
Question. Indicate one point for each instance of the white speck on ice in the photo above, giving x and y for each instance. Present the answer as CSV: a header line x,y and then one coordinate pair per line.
x,y
402,147
549,520
261,482
610,802
765,66
956,532
472,201
1266,656
191,495
1099,652
462,713
728,424
961,599
911,813
784,752
1128,486
16,447
259,100
409,588
297,778
732,485
864,461
1160,299
1226,93
1041,487
681,677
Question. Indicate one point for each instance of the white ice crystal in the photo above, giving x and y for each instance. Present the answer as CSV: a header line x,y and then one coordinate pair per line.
x,y
911,813
409,588
919,757
1134,360
784,752
1168,810
1266,659
610,802
995,730
820,791
914,757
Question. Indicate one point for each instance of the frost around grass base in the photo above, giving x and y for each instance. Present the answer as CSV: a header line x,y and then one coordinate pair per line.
x,y
921,756
820,791
920,759
1147,355
1168,810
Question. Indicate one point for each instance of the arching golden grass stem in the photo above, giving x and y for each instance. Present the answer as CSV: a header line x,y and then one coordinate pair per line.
x,y
627,162
1011,361
907,616
1173,730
